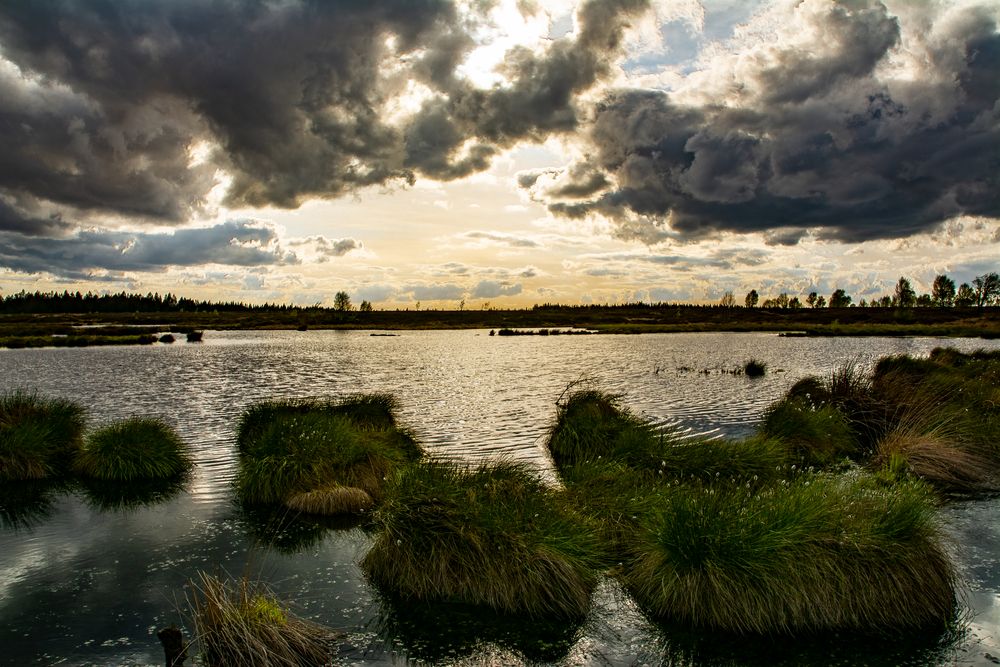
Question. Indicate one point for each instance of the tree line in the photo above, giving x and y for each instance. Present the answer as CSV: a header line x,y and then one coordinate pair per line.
x,y
984,291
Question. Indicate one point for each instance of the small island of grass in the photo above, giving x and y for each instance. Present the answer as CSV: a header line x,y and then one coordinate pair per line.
x,y
321,456
132,449
39,436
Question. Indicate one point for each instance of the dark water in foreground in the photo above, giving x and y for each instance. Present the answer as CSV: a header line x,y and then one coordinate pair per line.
x,y
88,579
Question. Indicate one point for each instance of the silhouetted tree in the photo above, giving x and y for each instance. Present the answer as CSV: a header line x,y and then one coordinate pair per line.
x,y
811,299
727,300
905,296
821,301
840,299
342,302
987,289
964,297
943,291
794,303
751,299
365,307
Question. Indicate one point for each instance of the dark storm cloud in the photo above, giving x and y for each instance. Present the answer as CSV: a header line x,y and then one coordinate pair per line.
x,y
540,98
815,139
238,243
103,103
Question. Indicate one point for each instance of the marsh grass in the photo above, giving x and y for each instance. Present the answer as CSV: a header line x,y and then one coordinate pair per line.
x,y
494,536
592,427
818,433
755,368
290,448
332,501
242,623
38,436
135,448
815,554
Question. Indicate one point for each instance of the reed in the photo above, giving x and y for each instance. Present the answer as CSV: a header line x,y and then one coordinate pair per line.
x,y
38,436
136,448
818,553
494,536
243,623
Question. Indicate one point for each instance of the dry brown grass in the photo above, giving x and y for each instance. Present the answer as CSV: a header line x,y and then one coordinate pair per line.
x,y
242,623
332,501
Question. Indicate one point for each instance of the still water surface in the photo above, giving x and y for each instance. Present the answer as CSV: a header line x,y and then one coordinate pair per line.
x,y
82,582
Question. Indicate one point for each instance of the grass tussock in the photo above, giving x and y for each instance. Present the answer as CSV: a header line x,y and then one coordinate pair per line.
x,y
137,448
332,501
815,554
936,419
494,536
755,368
38,436
242,623
295,447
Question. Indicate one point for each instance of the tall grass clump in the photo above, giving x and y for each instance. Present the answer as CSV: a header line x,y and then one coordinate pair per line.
x,y
755,368
136,448
494,536
38,436
817,433
817,553
242,623
321,456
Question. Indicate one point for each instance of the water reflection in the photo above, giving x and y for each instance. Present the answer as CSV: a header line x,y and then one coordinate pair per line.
x,y
116,496
80,584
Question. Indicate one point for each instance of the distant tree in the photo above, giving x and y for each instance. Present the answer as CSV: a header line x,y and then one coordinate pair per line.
x,y
840,299
782,300
727,300
342,302
794,303
964,297
811,299
461,304
821,301
924,301
751,299
905,296
884,302
862,304
416,306
365,307
987,289
943,291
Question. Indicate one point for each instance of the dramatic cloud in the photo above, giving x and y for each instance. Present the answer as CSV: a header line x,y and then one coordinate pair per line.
x,y
133,107
239,243
845,119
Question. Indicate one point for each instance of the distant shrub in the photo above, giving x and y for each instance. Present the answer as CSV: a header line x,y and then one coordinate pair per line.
x,y
194,336
167,338
754,368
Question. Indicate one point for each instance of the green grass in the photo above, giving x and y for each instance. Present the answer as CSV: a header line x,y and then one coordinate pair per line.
x,y
935,419
242,623
494,536
815,554
294,447
136,448
38,436
817,433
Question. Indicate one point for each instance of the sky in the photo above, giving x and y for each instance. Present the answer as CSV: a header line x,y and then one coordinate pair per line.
x,y
497,153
